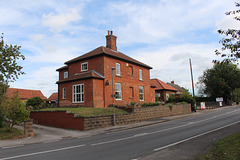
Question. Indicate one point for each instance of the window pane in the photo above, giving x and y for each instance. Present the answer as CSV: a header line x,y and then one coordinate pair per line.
x,y
140,74
118,69
78,93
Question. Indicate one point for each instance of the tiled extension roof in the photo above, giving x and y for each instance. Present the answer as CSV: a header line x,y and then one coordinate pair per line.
x,y
176,86
62,68
84,75
25,93
109,52
160,85
53,97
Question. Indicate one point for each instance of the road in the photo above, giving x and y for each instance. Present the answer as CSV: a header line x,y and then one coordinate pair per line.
x,y
128,144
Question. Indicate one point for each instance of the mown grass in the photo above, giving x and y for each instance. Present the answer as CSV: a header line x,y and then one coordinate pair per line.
x,y
5,133
225,149
88,112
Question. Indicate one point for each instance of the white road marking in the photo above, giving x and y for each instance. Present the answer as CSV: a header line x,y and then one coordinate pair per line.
x,y
143,134
184,140
36,153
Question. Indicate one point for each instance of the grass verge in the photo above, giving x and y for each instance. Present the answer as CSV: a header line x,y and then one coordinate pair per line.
x,y
227,148
5,133
87,112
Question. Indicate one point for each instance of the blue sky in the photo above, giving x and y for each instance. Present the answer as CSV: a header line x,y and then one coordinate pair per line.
x,y
161,33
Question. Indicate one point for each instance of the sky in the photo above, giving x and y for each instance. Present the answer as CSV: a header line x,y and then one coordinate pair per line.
x,y
164,34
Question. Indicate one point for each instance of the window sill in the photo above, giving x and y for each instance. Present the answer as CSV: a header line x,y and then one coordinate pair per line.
x,y
141,80
131,97
118,76
118,99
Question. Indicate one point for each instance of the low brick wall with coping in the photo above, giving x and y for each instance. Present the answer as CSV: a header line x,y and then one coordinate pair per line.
x,y
62,119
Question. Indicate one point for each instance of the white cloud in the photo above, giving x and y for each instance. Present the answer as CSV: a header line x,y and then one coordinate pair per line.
x,y
43,79
60,21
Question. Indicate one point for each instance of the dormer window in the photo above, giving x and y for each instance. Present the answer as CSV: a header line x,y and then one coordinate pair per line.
x,y
84,66
65,74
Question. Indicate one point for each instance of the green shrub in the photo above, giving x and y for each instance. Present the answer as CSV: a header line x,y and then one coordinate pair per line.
x,y
133,104
1,119
151,104
170,105
35,102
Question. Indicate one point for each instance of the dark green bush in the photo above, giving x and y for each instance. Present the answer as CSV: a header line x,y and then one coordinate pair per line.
x,y
1,119
35,102
151,104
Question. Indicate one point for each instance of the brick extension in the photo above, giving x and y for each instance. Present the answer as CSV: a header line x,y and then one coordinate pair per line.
x,y
62,119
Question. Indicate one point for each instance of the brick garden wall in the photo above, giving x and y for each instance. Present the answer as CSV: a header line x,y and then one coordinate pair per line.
x,y
64,120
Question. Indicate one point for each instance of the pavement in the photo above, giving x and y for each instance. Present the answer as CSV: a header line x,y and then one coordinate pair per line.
x,y
49,134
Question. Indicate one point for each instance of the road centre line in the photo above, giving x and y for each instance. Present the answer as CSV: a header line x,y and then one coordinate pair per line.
x,y
148,133
184,140
36,153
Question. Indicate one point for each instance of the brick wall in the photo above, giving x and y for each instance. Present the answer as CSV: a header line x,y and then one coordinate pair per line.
x,y
62,119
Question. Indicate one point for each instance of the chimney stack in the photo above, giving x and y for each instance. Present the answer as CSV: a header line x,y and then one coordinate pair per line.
x,y
111,41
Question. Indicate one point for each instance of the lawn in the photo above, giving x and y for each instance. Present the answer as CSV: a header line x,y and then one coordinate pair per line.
x,y
5,133
87,112
227,148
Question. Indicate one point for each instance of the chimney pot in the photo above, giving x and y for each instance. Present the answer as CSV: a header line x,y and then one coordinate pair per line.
x,y
172,82
111,32
108,32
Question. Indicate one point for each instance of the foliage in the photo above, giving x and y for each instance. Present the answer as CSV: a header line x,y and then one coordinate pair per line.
x,y
170,105
1,119
14,111
35,102
9,55
220,81
236,95
151,104
87,112
185,97
231,42
133,104
227,148
6,133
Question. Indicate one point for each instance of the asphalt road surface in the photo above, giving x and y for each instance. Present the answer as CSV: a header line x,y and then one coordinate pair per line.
x,y
157,141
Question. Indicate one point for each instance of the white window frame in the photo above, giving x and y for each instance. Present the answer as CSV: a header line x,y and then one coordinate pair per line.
x,y
82,68
64,93
66,74
117,90
141,87
140,74
78,93
118,69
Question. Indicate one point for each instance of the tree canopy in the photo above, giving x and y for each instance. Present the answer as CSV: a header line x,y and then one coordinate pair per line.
x,y
9,69
230,50
220,81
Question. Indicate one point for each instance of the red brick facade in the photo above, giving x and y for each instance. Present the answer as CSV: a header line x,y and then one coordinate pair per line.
x,y
97,79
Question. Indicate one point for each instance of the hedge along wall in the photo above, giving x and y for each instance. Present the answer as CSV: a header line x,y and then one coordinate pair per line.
x,y
65,120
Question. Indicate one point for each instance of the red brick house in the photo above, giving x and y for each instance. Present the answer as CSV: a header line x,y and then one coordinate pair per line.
x,y
162,90
25,94
87,80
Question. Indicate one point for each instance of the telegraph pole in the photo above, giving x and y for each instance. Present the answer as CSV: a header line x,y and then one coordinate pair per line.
x,y
192,77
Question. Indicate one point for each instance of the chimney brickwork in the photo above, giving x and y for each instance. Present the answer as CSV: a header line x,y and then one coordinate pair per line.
x,y
111,41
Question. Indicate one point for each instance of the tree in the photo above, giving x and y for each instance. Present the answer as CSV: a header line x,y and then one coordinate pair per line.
x,y
9,69
14,111
35,102
220,81
236,95
231,43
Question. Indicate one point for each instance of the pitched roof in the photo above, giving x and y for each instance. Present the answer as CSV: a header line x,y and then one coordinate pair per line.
x,y
109,52
25,93
160,85
62,68
53,97
175,86
84,75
